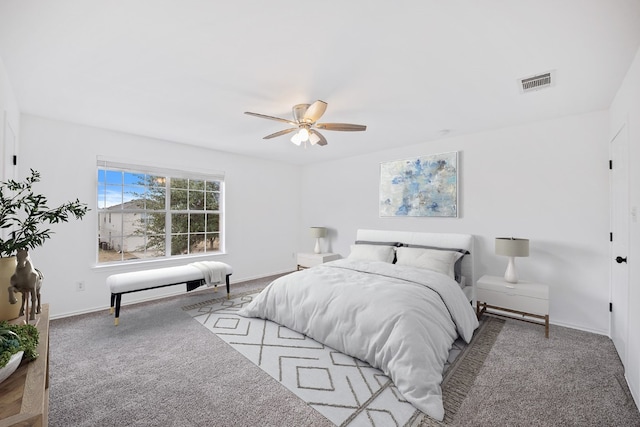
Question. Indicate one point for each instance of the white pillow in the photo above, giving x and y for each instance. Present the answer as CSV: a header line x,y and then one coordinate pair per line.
x,y
372,253
431,259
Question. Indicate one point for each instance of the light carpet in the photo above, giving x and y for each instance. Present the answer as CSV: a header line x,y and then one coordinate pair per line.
x,y
346,390
162,368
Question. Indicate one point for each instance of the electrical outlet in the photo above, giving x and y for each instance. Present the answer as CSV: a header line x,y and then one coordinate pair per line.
x,y
80,286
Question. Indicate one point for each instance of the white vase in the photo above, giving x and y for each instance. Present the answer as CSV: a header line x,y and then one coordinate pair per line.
x,y
11,366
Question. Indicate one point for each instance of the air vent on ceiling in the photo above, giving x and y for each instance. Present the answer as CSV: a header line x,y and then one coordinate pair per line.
x,y
537,82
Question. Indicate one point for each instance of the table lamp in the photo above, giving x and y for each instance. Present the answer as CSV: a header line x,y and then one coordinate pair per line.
x,y
512,247
318,232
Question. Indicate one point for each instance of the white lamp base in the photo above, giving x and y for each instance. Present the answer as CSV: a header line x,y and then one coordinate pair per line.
x,y
317,248
510,275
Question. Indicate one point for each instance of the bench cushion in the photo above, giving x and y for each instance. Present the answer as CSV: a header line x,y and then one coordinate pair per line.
x,y
136,280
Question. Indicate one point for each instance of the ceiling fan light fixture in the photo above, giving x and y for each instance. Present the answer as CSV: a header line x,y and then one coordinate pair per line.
x,y
296,139
313,139
304,134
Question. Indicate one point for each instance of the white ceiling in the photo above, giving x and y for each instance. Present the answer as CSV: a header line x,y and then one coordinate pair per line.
x,y
186,70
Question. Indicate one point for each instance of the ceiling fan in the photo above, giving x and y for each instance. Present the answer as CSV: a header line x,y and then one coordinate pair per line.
x,y
305,117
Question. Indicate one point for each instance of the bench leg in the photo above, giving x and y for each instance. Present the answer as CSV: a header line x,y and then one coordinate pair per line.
x,y
194,284
228,293
546,326
113,301
118,301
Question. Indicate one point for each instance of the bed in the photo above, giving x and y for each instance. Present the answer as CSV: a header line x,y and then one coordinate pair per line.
x,y
398,301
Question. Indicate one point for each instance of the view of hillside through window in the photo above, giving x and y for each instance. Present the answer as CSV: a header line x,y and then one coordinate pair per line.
x,y
142,216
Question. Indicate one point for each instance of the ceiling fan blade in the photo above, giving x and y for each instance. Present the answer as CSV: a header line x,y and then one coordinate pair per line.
x,y
341,126
315,111
282,132
322,140
262,116
298,111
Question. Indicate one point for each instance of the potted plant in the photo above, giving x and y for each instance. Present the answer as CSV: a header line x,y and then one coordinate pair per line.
x,y
17,342
24,217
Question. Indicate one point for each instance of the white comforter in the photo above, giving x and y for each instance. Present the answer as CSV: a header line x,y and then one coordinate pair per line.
x,y
401,320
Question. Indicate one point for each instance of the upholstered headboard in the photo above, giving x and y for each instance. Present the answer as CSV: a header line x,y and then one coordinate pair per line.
x,y
442,240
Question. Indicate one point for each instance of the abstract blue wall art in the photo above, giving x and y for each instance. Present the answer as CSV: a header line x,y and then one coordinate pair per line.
x,y
424,186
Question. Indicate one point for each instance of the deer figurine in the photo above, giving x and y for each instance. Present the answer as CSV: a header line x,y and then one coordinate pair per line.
x,y
28,281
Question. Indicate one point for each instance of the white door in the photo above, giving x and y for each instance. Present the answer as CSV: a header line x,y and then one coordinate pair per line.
x,y
620,243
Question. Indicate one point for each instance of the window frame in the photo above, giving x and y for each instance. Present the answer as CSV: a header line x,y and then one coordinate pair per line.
x,y
167,174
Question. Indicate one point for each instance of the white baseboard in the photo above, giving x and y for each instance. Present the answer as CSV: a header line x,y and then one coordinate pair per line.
x,y
580,328
178,291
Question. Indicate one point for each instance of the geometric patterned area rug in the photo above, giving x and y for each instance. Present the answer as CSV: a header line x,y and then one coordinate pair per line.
x,y
346,390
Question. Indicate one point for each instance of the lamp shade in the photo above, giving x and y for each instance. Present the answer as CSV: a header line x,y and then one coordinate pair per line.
x,y
318,232
512,247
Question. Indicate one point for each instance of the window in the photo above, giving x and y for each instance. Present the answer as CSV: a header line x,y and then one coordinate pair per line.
x,y
147,213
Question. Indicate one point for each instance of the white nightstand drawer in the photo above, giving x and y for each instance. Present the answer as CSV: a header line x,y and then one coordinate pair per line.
x,y
524,288
310,260
510,299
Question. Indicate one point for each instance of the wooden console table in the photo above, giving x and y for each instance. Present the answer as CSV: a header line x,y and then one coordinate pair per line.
x,y
24,396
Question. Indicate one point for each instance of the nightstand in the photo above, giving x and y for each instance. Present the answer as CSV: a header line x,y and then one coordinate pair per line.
x,y
309,260
525,299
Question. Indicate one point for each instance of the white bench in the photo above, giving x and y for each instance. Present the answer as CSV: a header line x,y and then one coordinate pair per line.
x,y
135,281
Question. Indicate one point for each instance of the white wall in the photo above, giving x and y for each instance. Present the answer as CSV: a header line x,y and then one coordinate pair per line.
x,y
546,181
626,108
262,210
